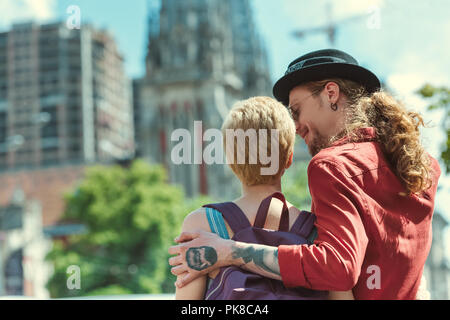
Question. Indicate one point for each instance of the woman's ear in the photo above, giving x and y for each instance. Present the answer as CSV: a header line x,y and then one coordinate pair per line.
x,y
289,163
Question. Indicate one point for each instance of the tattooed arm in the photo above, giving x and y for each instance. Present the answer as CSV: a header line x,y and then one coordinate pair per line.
x,y
256,258
263,260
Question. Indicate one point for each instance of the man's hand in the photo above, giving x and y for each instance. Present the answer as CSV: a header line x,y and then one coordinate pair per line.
x,y
198,253
204,252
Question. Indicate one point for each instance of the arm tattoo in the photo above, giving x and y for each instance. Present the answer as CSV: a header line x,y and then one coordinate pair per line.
x,y
200,258
265,258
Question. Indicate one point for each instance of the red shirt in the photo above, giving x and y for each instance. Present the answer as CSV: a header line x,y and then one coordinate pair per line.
x,y
369,238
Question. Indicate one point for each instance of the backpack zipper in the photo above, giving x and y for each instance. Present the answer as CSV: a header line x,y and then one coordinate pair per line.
x,y
220,283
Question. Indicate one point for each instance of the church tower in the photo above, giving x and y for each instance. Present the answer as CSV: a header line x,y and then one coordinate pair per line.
x,y
203,55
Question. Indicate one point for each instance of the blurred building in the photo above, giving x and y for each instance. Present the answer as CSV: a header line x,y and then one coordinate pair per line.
x,y
437,268
46,185
64,97
31,206
23,247
65,103
203,55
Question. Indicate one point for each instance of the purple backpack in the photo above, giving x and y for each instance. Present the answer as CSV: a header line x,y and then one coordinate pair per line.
x,y
233,283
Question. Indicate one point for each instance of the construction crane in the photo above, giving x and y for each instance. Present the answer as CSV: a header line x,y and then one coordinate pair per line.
x,y
331,28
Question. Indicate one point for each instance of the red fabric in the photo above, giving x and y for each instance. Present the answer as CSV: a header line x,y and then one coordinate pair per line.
x,y
366,231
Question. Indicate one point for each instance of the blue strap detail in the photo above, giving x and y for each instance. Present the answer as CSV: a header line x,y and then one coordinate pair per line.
x,y
312,236
216,223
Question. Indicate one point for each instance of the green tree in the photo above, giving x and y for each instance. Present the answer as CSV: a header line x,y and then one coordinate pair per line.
x,y
440,99
295,185
132,216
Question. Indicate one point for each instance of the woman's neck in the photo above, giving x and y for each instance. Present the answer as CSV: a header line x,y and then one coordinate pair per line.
x,y
260,192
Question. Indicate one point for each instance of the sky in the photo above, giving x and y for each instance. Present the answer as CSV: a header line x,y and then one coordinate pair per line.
x,y
406,43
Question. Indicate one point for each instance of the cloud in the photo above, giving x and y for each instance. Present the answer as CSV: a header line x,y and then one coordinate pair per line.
x,y
25,10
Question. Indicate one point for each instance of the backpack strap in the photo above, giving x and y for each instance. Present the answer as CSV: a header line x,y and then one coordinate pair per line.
x,y
216,223
304,225
232,214
263,209
312,236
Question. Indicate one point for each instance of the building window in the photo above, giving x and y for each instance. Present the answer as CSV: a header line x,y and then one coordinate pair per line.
x,y
3,131
50,129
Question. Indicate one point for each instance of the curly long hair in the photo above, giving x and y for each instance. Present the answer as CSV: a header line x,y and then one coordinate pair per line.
x,y
397,131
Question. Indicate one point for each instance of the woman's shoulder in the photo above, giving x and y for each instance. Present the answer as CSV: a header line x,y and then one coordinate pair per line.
x,y
196,220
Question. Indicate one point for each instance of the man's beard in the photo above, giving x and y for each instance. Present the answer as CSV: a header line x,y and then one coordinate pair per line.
x,y
318,142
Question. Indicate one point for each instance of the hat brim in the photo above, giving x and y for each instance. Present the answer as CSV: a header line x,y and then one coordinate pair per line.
x,y
283,87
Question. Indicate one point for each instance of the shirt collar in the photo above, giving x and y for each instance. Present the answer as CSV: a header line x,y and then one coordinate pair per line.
x,y
365,134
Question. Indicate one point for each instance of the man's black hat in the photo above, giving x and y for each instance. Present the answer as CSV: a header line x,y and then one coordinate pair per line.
x,y
320,65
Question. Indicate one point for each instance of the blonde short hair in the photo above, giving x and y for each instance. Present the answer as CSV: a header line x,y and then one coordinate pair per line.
x,y
260,113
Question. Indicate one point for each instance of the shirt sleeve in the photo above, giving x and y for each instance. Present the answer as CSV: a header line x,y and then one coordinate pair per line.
x,y
334,261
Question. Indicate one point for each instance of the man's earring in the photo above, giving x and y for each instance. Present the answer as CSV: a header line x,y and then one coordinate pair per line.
x,y
334,106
